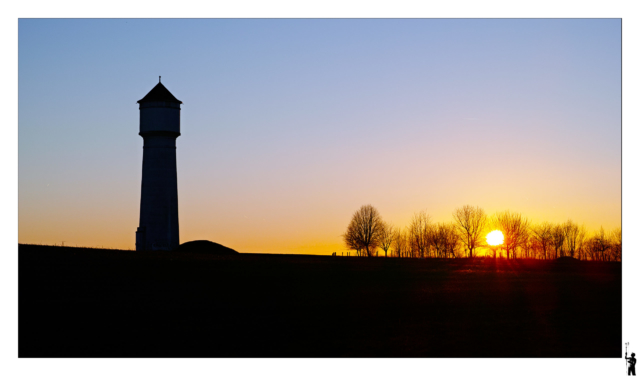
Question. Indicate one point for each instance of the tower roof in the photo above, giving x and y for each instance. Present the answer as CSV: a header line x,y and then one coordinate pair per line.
x,y
159,94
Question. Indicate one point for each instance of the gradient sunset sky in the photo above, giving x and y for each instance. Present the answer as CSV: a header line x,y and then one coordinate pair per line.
x,y
289,126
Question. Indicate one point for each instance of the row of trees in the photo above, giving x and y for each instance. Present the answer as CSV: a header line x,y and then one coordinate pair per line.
x,y
465,236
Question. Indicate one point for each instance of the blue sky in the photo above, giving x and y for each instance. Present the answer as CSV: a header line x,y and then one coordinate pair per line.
x,y
288,126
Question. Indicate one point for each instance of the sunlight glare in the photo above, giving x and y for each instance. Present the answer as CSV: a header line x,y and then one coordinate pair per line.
x,y
495,237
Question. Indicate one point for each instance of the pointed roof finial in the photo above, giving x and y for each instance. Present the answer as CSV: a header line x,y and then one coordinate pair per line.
x,y
159,94
159,79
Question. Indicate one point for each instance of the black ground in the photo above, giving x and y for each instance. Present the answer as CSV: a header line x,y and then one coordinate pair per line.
x,y
100,303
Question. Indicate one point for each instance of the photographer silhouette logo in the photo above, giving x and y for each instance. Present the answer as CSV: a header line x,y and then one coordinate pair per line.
x,y
631,361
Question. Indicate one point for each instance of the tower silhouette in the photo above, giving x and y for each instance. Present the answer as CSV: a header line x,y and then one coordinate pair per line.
x,y
159,128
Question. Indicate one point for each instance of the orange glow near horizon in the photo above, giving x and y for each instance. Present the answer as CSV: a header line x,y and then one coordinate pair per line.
x,y
495,237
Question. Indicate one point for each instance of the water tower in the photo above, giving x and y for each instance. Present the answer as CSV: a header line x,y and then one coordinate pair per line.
x,y
159,128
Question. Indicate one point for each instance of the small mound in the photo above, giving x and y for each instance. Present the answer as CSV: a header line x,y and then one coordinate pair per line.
x,y
205,247
566,259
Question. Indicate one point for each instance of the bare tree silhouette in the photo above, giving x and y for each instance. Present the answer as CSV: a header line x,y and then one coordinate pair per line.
x,y
386,236
528,246
557,236
543,238
601,245
421,238
351,239
401,243
615,239
580,239
363,232
451,240
593,249
515,229
470,223
419,234
436,239
443,240
574,236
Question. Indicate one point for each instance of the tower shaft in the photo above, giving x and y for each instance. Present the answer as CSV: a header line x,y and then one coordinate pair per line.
x,y
159,198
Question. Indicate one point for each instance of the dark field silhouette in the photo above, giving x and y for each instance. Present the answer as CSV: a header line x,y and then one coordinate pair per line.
x,y
205,247
105,303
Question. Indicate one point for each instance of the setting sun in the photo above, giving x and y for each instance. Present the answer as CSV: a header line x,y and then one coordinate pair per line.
x,y
495,237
